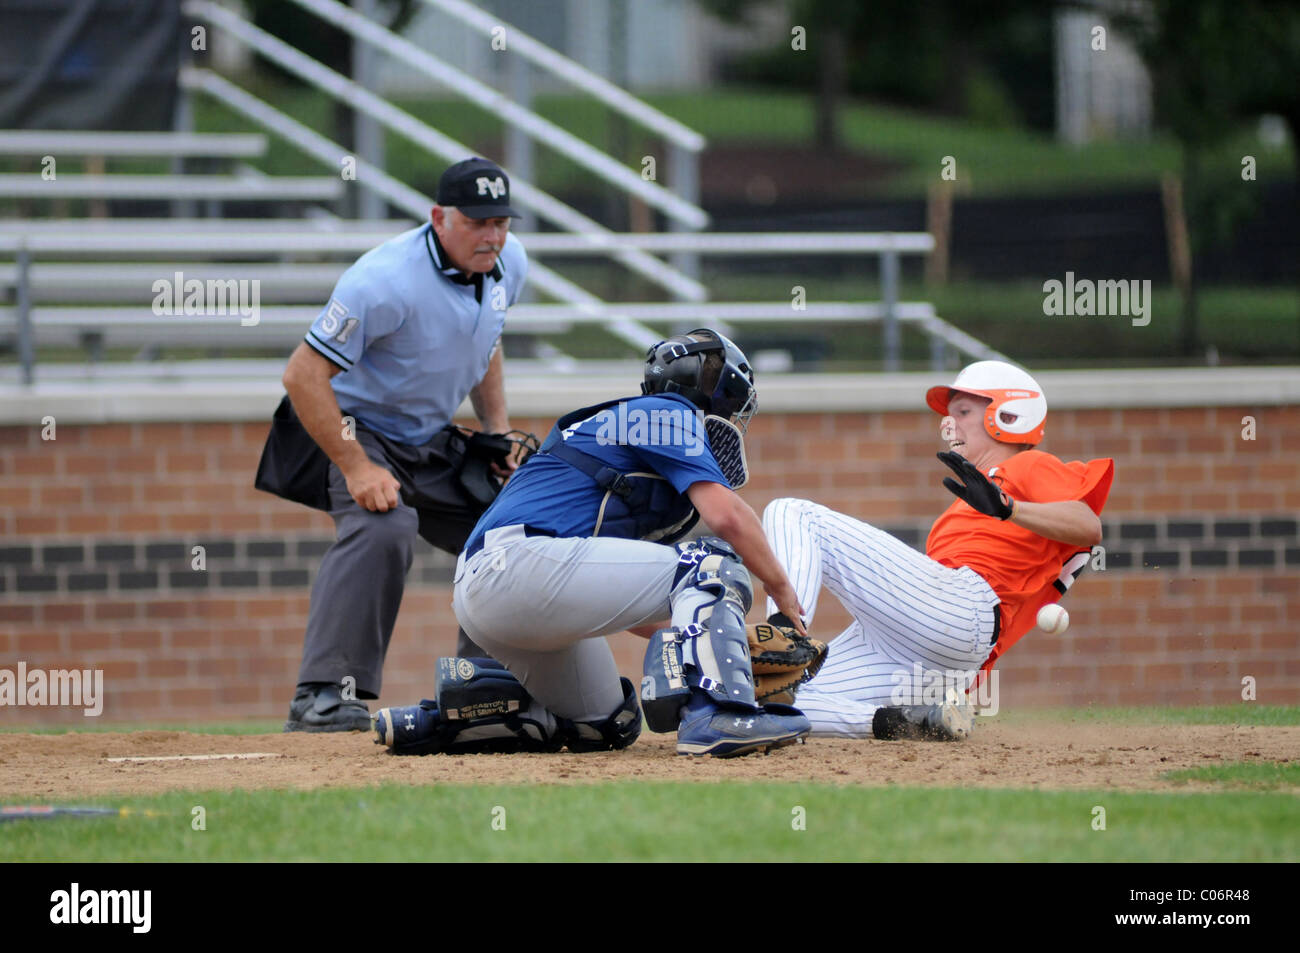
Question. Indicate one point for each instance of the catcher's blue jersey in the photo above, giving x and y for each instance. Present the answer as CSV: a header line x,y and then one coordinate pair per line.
x,y
658,434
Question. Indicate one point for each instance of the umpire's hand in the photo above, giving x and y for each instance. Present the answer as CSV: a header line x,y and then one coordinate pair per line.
x,y
373,487
504,470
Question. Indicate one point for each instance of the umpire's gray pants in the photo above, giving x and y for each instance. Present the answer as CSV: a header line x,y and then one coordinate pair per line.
x,y
542,606
358,590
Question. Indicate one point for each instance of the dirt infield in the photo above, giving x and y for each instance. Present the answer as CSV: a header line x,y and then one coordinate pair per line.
x,y
1039,755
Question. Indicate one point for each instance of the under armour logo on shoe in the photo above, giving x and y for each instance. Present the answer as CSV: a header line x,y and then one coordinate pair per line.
x,y
743,722
410,721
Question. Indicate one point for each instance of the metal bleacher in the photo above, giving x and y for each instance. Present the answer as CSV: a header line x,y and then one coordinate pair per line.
x,y
21,142
241,184
89,284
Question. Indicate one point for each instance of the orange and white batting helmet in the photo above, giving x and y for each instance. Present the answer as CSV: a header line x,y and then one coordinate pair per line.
x,y
1018,412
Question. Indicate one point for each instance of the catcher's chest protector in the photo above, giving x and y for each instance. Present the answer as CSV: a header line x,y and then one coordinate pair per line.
x,y
636,504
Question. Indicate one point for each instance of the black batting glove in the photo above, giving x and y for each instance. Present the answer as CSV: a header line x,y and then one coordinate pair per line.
x,y
976,489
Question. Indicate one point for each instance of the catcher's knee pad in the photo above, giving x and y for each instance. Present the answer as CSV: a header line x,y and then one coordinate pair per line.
x,y
619,730
708,569
481,707
706,648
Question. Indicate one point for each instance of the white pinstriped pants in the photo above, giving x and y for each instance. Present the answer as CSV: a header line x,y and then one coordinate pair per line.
x,y
908,610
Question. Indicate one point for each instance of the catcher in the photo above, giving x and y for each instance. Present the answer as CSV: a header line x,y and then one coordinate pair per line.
x,y
580,545
1013,540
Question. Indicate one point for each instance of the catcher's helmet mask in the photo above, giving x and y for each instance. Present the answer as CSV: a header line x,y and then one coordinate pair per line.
x,y
722,387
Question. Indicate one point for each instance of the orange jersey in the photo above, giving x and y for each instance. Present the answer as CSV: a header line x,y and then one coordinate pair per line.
x,y
1019,565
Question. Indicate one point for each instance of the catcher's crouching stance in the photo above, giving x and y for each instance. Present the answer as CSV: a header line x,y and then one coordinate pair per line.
x,y
580,545
479,699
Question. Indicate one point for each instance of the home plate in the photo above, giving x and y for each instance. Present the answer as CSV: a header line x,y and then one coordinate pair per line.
x,y
202,757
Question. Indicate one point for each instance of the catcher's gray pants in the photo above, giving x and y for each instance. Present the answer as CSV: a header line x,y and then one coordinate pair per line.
x,y
358,589
916,621
542,606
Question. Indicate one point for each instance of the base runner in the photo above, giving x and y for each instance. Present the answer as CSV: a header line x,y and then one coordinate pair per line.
x,y
1010,543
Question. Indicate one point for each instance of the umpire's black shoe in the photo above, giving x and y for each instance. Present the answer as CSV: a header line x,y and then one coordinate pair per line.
x,y
320,707
946,722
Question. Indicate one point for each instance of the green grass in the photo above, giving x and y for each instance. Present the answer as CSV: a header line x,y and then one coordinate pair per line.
x,y
1250,820
673,822
989,160
1256,775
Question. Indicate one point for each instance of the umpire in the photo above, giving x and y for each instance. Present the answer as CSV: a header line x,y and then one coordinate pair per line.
x,y
413,327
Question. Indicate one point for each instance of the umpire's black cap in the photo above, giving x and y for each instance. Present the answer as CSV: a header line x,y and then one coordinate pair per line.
x,y
478,187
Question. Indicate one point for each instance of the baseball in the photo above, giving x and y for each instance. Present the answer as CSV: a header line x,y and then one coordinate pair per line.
x,y
1053,619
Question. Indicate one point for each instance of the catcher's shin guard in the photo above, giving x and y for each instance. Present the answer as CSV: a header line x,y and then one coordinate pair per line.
x,y
479,707
663,685
619,730
706,648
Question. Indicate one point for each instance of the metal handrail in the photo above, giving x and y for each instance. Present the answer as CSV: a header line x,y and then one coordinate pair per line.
x,y
537,127
310,141
525,316
344,89
543,56
129,186
401,195
28,142
120,236
280,325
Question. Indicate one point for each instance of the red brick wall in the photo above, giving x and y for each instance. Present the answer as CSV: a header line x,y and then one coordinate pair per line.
x,y
98,525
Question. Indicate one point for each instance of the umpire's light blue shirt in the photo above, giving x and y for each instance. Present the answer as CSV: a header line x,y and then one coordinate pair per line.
x,y
412,334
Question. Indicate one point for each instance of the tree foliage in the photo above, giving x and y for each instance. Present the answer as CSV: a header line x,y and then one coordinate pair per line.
x,y
314,36
1216,63
989,61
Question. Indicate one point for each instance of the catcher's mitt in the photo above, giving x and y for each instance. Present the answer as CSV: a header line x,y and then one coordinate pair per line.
x,y
782,660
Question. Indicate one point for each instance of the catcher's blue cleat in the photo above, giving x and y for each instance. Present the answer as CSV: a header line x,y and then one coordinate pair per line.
x,y
724,732
412,729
